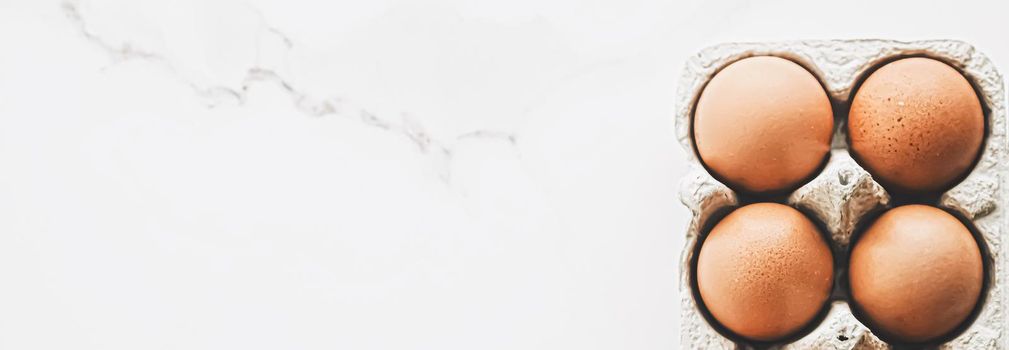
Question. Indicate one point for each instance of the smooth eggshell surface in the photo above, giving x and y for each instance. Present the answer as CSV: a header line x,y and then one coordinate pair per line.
x,y
916,273
763,124
764,271
916,124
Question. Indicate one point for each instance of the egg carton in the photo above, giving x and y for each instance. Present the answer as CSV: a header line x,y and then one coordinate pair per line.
x,y
843,193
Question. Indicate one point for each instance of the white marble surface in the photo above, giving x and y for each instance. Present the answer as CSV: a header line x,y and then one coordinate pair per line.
x,y
457,174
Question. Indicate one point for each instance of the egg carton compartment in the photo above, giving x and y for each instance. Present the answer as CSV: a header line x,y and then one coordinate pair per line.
x,y
843,195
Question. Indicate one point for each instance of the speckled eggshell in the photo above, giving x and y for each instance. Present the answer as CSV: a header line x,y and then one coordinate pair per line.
x,y
916,124
764,271
916,273
763,124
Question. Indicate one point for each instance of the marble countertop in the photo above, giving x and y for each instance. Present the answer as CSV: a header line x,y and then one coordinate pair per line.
x,y
387,174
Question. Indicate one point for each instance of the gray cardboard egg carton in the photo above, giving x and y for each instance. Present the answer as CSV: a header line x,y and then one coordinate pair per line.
x,y
843,193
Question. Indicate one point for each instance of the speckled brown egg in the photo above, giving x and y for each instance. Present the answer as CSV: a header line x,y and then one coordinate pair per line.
x,y
763,124
764,271
916,273
916,124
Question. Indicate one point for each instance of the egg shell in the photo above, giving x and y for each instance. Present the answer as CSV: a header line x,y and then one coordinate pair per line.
x,y
916,124
843,193
763,124
916,273
765,271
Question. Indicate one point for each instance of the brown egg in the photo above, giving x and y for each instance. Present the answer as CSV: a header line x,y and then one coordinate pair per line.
x,y
916,125
764,272
763,124
916,273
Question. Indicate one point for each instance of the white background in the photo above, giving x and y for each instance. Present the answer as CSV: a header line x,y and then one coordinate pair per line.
x,y
379,174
